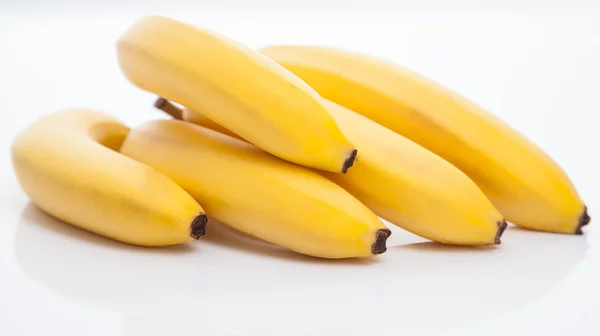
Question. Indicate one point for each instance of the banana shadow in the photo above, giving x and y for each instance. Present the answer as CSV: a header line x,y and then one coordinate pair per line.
x,y
463,285
98,271
209,286
111,275
416,284
429,246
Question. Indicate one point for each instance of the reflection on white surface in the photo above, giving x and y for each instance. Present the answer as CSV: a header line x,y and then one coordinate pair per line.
x,y
230,284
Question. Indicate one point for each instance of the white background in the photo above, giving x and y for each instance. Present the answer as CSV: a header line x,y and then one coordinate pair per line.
x,y
533,63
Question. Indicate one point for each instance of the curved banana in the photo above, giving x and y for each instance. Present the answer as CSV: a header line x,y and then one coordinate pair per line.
x,y
526,185
67,164
406,184
237,87
257,193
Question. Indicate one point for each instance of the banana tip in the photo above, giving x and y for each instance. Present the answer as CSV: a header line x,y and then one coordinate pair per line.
x,y
584,220
501,228
198,227
349,161
167,107
381,237
160,102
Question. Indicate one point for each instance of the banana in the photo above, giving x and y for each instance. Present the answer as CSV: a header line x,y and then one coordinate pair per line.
x,y
236,87
406,184
257,193
413,188
523,182
67,163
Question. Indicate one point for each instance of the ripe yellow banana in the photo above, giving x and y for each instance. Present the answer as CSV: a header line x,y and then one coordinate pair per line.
x,y
237,87
67,163
526,185
406,184
257,193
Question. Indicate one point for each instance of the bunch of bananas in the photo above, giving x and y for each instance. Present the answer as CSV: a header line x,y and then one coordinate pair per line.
x,y
304,147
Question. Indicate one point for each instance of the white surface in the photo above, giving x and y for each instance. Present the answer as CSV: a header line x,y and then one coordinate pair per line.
x,y
536,68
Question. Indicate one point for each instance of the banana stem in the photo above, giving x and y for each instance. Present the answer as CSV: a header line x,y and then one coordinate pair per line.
x,y
584,220
501,227
381,237
168,107
198,228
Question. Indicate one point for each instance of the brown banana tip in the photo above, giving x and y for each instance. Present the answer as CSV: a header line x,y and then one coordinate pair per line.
x,y
501,228
349,161
167,107
381,237
584,220
160,102
198,227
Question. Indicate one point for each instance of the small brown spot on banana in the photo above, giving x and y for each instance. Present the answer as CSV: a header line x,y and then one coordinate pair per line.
x,y
381,237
